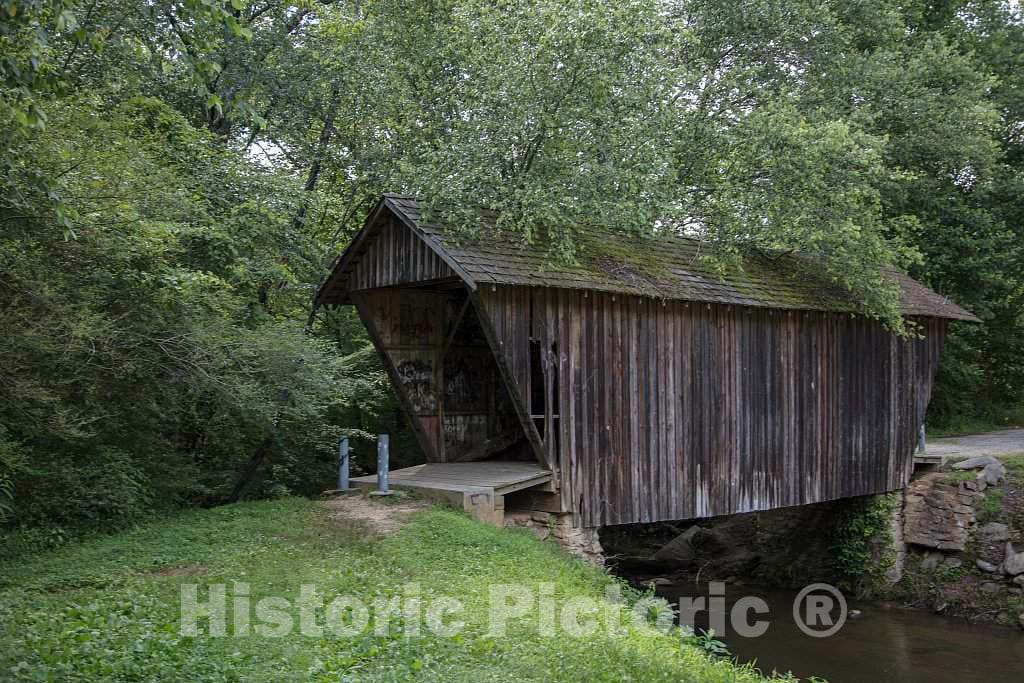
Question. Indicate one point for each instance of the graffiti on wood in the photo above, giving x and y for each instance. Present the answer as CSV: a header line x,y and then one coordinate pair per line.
x,y
416,373
468,376
462,432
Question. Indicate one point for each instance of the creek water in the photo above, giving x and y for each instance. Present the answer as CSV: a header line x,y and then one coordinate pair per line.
x,y
883,643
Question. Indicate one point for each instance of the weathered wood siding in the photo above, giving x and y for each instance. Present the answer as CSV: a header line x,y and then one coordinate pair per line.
x,y
406,328
442,369
397,256
673,410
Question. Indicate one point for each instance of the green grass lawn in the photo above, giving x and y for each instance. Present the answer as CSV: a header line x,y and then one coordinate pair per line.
x,y
108,608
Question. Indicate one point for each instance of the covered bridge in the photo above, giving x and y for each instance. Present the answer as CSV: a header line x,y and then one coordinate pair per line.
x,y
642,385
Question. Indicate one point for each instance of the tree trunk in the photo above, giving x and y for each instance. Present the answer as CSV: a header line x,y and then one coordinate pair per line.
x,y
250,469
321,148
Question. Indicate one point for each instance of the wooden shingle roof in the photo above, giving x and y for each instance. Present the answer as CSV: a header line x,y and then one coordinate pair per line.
x,y
667,267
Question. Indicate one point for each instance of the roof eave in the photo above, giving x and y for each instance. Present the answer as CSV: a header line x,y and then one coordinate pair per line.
x,y
335,286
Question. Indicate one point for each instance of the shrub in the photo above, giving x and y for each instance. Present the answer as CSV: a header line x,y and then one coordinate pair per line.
x,y
104,487
862,544
11,454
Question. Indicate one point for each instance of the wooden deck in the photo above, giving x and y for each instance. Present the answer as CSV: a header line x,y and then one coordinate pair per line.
x,y
478,487
929,460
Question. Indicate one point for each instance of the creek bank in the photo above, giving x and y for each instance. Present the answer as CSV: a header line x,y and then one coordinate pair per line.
x,y
952,543
965,533
579,541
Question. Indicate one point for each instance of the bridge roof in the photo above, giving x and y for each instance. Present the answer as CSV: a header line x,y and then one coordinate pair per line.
x,y
667,267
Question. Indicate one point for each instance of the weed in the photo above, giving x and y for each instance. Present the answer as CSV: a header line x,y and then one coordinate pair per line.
x,y
959,476
706,641
988,507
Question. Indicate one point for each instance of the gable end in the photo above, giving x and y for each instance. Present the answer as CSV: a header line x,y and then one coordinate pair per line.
x,y
388,251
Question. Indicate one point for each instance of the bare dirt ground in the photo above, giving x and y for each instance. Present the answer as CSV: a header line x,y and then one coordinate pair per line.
x,y
381,517
991,443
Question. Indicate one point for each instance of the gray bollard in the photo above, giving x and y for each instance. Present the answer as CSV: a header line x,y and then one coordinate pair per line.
x,y
343,464
382,466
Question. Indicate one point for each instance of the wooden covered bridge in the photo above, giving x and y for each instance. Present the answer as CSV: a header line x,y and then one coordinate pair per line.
x,y
635,385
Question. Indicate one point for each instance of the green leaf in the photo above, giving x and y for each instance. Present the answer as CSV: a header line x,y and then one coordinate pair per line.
x,y
213,101
66,21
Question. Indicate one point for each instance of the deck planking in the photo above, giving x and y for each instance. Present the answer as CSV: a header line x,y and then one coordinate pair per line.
x,y
497,477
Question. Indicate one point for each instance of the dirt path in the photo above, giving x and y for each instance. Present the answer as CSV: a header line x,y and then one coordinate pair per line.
x,y
383,518
991,443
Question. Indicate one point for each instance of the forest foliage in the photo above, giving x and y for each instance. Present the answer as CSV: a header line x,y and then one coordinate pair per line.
x,y
177,177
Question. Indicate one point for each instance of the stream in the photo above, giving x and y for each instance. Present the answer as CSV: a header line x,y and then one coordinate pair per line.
x,y
883,643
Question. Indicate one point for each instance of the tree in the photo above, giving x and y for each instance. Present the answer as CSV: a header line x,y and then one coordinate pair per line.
x,y
178,175
140,366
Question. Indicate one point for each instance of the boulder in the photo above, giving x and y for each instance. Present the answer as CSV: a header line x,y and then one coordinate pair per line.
x,y
541,517
931,562
1019,580
977,463
1013,565
990,587
986,567
979,484
994,532
680,549
936,514
730,546
954,562
994,473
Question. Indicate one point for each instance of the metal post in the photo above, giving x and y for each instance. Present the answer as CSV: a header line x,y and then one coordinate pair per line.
x,y
920,439
343,464
382,466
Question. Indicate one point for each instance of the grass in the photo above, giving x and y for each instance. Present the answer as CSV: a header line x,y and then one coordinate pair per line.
x,y
989,506
1014,465
107,608
959,476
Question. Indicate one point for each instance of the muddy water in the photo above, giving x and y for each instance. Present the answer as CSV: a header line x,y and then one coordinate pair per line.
x,y
884,643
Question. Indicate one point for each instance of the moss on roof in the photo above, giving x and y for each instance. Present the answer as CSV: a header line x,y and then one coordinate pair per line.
x,y
669,267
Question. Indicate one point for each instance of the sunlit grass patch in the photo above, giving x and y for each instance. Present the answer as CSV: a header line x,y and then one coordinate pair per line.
x,y
108,608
